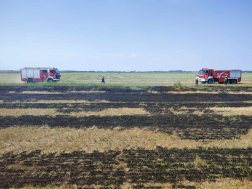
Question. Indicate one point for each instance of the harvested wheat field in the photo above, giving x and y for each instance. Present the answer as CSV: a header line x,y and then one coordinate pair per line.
x,y
155,138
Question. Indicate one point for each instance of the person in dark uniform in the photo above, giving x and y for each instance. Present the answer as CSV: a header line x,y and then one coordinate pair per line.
x,y
102,79
226,80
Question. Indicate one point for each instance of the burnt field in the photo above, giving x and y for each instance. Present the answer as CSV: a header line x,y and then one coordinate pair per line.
x,y
115,168
157,137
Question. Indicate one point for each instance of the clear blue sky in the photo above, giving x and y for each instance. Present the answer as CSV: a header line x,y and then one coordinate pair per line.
x,y
141,35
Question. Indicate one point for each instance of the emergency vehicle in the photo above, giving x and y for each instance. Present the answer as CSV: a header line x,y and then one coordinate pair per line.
x,y
211,76
31,74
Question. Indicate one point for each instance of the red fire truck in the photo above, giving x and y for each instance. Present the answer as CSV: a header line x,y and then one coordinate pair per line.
x,y
30,74
211,76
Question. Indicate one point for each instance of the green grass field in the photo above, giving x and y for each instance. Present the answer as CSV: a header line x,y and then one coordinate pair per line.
x,y
120,79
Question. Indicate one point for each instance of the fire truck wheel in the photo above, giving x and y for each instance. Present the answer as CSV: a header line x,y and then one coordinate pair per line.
x,y
30,80
234,81
49,80
210,81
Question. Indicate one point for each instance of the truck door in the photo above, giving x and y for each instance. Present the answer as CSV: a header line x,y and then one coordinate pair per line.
x,y
53,73
44,75
206,74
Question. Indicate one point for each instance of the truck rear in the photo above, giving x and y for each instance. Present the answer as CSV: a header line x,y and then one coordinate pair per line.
x,y
233,76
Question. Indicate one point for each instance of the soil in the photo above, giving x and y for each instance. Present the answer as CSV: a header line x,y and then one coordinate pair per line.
x,y
113,168
153,107
140,166
129,97
186,127
234,88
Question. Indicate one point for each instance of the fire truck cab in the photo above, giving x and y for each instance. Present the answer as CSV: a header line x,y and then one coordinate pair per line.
x,y
30,74
206,76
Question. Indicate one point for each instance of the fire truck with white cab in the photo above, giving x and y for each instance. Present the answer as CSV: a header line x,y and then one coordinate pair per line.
x,y
30,74
211,76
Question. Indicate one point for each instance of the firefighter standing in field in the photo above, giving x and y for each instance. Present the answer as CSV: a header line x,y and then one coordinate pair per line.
x,y
102,79
226,80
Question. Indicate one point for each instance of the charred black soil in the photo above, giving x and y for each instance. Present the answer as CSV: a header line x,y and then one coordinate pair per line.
x,y
113,168
153,107
63,89
187,127
129,97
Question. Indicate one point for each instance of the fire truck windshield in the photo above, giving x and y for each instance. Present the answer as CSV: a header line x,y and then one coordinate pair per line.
x,y
202,72
57,71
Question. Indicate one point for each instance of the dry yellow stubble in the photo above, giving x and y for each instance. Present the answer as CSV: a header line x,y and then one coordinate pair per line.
x,y
38,92
192,92
112,112
226,183
53,112
171,92
223,183
47,92
185,110
207,92
225,111
28,111
228,111
18,139
28,138
59,101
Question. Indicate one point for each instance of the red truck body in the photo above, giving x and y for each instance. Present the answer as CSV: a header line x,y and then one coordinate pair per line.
x,y
211,76
29,74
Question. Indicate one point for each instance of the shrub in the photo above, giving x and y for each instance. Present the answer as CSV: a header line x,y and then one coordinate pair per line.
x,y
178,85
